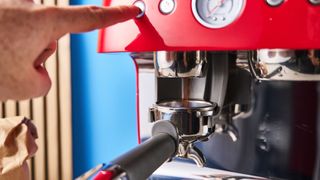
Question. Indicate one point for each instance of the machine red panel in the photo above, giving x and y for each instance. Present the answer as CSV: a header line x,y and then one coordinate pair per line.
x,y
295,24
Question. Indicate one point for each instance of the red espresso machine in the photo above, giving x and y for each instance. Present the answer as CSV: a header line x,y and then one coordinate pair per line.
x,y
233,86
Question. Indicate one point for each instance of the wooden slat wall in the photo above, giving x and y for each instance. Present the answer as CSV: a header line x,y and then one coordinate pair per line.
x,y
1,106
10,108
51,115
38,111
64,89
23,109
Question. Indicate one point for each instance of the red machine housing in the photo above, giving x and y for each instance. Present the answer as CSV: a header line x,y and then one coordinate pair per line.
x,y
295,24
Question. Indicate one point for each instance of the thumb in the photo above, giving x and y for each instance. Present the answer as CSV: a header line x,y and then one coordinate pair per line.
x,y
85,18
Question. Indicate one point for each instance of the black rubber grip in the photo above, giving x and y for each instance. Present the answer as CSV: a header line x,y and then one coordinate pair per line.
x,y
143,160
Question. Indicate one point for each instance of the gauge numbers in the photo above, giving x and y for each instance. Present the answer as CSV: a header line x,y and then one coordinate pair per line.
x,y
216,13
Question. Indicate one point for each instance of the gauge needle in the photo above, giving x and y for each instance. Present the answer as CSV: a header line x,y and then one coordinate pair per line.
x,y
220,2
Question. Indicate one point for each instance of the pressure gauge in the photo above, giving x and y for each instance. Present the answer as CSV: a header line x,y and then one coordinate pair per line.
x,y
217,13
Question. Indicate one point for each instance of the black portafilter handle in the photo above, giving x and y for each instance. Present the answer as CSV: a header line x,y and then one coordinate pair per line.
x,y
142,161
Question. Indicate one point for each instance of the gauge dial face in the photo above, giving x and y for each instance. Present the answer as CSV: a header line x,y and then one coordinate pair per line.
x,y
216,13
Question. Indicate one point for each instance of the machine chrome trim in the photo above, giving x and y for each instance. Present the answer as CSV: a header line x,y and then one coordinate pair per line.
x,y
281,64
193,119
180,64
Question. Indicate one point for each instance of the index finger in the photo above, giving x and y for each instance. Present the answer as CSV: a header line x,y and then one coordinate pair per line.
x,y
85,18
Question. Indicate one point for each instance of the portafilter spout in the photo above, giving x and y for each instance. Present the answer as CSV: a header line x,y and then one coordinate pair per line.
x,y
193,120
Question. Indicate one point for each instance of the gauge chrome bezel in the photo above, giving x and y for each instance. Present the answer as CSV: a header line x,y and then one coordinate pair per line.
x,y
235,15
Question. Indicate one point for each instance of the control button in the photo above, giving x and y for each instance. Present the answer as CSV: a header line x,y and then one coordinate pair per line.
x,y
167,6
142,6
315,2
274,2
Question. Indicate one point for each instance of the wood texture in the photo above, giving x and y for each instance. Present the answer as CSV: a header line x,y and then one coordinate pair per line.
x,y
23,109
1,107
38,116
52,118
65,107
64,78
10,109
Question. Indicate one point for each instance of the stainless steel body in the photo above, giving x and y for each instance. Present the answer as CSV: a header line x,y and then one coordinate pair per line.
x,y
284,64
260,128
192,118
277,138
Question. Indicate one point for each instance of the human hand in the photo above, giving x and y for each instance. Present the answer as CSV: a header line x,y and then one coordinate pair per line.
x,y
28,35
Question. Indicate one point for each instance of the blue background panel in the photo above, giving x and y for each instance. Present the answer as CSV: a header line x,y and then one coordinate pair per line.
x,y
103,101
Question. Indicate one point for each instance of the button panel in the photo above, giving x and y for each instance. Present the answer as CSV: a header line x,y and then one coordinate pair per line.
x,y
256,25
